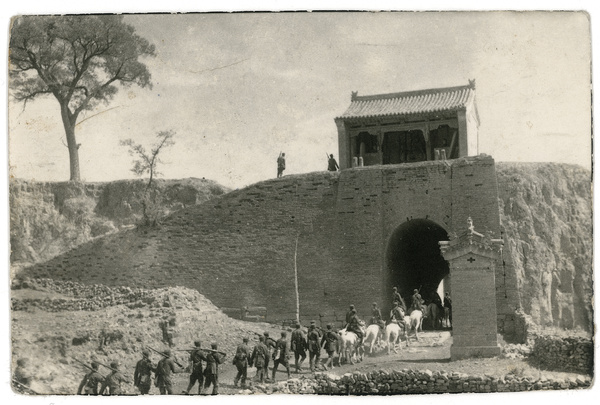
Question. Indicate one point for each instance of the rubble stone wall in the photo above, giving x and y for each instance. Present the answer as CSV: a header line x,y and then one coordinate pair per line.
x,y
564,353
409,381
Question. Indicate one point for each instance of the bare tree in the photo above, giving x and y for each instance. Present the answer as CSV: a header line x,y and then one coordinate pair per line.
x,y
78,60
145,162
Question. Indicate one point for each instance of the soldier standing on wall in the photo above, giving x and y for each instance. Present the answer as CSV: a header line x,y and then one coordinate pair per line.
x,y
259,359
211,373
240,361
142,377
299,347
281,355
332,165
197,356
280,164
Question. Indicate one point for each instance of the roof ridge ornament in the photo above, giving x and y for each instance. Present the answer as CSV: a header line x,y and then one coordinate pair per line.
x,y
353,95
472,83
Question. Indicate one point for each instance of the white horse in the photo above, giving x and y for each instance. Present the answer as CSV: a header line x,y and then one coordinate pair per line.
x,y
414,321
372,336
350,348
392,336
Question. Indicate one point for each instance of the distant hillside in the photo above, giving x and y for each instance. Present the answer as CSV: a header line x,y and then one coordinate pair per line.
x,y
47,219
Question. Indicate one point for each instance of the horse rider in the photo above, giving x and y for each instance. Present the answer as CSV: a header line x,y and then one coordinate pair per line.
x,y
376,318
354,326
397,297
349,315
416,301
397,314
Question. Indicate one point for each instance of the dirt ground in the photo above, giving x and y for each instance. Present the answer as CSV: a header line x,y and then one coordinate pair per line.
x,y
53,340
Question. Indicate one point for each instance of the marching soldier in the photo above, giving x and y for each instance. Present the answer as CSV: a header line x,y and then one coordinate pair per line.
x,y
299,346
240,360
259,359
314,346
197,356
142,377
330,343
270,344
89,383
164,373
281,355
113,381
211,373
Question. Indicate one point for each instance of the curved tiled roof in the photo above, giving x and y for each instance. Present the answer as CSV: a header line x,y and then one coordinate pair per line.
x,y
410,102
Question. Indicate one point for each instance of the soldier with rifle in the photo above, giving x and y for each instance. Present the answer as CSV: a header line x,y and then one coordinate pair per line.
x,y
113,380
197,356
416,301
142,377
211,373
89,383
164,371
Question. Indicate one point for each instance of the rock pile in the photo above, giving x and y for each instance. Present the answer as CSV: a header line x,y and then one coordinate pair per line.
x,y
564,353
82,297
410,381
516,351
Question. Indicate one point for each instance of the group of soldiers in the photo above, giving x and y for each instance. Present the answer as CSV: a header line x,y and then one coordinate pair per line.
x,y
332,164
204,363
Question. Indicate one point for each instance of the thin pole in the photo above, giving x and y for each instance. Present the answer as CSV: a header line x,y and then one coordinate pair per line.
x,y
296,281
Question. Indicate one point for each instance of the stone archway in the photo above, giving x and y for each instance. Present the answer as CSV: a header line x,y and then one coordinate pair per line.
x,y
413,258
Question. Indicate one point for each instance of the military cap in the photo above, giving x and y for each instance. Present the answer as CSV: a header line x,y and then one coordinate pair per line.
x,y
395,288
328,326
167,352
114,364
146,353
95,365
261,338
197,343
351,306
245,340
283,334
415,290
266,334
213,346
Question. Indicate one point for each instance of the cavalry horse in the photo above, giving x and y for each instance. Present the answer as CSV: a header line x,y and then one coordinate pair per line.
x,y
392,336
435,313
372,336
414,322
349,347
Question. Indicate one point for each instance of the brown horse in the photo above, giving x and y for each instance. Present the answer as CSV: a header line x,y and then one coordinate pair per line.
x,y
433,312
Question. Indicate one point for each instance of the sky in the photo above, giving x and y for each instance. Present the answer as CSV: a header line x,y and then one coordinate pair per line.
x,y
239,88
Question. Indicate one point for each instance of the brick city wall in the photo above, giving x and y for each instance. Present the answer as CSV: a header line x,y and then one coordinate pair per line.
x,y
238,250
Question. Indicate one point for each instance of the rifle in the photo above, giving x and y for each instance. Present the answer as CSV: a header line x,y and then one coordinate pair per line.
x,y
164,355
23,386
88,367
199,348
115,370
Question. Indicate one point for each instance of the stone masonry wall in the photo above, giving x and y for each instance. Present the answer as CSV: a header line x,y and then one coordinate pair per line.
x,y
564,353
238,249
408,381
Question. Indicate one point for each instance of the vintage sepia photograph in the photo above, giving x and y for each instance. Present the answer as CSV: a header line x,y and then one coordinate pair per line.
x,y
317,203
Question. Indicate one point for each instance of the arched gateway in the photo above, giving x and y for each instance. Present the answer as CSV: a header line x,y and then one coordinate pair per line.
x,y
413,258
